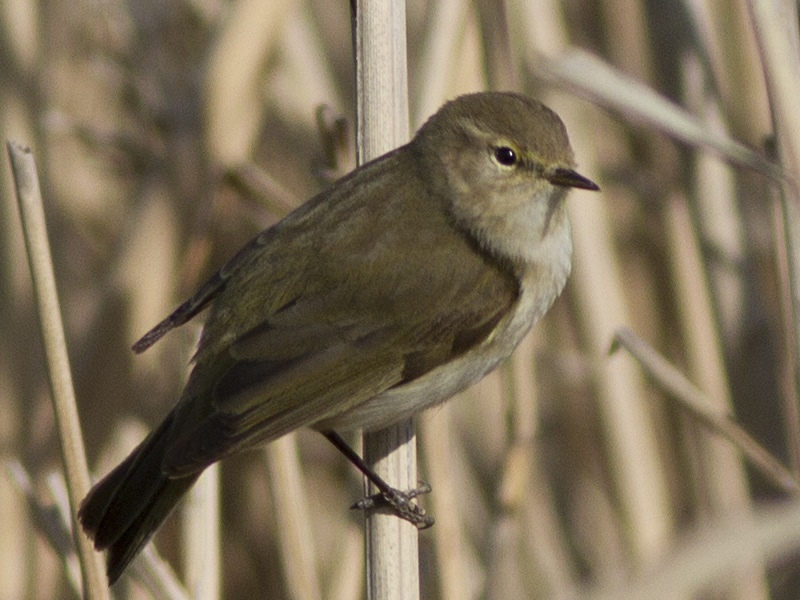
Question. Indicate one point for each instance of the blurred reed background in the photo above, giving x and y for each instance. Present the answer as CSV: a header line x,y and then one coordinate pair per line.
x,y
167,133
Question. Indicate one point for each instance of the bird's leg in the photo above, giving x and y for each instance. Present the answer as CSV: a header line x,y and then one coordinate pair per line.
x,y
388,497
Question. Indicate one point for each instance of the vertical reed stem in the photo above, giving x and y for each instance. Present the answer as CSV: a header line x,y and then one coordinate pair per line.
x,y
382,124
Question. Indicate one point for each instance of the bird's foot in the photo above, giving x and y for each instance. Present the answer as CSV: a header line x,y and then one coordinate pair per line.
x,y
400,503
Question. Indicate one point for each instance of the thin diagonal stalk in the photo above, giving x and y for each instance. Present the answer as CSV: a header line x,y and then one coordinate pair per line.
x,y
26,181
706,412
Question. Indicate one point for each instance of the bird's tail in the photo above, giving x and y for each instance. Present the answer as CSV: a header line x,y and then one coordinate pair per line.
x,y
124,509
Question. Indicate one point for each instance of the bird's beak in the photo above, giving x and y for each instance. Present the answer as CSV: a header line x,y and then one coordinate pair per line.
x,y
570,178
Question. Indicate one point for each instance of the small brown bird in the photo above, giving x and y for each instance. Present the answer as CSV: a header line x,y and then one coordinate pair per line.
x,y
405,282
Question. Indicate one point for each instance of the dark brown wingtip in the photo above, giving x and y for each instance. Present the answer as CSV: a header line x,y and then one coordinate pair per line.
x,y
571,178
152,336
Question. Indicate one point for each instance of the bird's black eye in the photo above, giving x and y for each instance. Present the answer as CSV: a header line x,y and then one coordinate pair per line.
x,y
505,156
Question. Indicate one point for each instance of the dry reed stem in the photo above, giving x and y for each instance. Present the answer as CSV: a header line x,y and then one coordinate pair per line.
x,y
304,81
26,181
544,542
201,537
449,34
722,482
525,489
293,516
347,582
234,110
155,574
776,28
596,80
451,543
500,62
259,185
710,555
776,31
440,48
49,522
710,414
718,216
381,125
629,429
790,398
147,271
629,432
724,489
704,353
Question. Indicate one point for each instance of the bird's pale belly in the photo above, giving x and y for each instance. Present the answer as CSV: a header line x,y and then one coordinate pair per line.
x,y
443,382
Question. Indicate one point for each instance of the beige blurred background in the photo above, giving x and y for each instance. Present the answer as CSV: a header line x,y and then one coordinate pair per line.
x,y
168,133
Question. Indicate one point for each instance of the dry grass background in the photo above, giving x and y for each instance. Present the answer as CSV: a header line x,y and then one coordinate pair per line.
x,y
167,133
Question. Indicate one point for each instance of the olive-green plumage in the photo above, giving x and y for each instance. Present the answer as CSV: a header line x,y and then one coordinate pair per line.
x,y
406,281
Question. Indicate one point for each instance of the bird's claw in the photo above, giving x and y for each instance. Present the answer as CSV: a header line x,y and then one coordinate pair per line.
x,y
400,503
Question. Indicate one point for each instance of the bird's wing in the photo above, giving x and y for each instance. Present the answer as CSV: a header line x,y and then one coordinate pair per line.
x,y
347,300
204,296
300,367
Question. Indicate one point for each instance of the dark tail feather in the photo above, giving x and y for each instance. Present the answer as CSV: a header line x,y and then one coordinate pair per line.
x,y
128,505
